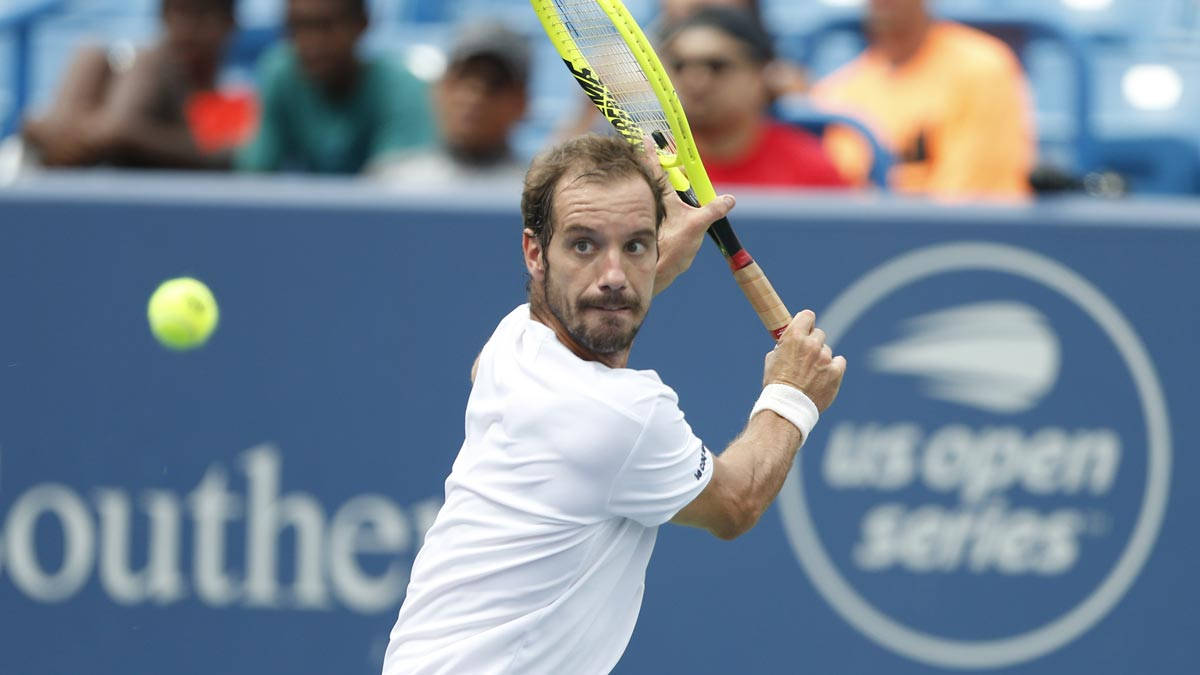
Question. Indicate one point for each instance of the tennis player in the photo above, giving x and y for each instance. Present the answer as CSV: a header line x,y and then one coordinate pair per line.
x,y
537,560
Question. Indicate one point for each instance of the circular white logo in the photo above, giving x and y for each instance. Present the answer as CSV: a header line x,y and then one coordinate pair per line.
x,y
920,265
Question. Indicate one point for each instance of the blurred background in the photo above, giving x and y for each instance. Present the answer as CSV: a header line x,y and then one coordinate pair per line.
x,y
1111,83
992,205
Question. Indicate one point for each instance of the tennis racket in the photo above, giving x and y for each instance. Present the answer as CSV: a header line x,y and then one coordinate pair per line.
x,y
611,59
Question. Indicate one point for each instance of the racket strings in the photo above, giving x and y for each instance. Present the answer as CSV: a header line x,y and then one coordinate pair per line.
x,y
613,64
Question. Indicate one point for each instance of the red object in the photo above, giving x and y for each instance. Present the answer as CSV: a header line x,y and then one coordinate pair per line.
x,y
739,260
222,120
783,156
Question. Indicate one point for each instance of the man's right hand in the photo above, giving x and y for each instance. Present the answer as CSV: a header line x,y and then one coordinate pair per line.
x,y
802,360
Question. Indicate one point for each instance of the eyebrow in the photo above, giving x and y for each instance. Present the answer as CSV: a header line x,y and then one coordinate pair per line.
x,y
647,232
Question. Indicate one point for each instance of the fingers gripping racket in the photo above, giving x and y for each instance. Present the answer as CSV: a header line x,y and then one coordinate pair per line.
x,y
612,60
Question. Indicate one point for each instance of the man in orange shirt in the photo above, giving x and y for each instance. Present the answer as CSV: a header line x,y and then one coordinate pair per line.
x,y
950,102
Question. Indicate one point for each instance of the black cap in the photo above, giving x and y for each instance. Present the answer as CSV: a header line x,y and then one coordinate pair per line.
x,y
739,24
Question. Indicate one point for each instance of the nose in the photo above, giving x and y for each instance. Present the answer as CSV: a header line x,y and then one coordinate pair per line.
x,y
612,274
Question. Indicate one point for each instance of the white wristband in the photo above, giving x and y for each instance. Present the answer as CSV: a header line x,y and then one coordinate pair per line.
x,y
791,404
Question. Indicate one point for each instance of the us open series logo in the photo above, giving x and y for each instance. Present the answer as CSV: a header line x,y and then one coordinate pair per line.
x,y
1003,473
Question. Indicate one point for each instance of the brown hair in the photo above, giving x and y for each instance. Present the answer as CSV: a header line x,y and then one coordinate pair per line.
x,y
597,159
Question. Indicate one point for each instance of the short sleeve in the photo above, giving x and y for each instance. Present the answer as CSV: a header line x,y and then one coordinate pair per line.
x,y
664,472
406,118
265,151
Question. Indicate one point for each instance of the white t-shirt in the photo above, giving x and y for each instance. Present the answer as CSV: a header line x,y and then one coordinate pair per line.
x,y
537,561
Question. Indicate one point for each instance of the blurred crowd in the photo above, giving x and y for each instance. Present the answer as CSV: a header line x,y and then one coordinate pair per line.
x,y
948,103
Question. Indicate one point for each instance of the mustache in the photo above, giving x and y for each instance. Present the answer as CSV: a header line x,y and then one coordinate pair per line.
x,y
613,300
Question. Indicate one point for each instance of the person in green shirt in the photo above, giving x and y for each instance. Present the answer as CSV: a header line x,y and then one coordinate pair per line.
x,y
325,109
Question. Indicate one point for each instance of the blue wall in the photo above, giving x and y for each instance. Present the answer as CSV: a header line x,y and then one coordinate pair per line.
x,y
997,487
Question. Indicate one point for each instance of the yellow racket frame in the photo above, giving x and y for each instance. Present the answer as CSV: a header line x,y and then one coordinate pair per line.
x,y
683,166
660,83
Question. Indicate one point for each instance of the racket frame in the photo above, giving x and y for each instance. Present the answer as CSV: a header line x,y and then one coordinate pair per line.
x,y
682,163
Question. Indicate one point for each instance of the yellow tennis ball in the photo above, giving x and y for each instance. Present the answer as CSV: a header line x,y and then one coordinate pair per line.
x,y
183,313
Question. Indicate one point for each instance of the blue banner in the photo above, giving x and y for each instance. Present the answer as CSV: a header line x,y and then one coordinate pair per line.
x,y
998,488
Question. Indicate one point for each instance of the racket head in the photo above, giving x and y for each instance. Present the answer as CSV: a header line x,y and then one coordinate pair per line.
x,y
613,61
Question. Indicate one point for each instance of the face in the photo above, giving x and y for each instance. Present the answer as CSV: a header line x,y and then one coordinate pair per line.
x,y
325,34
597,274
478,103
718,83
196,30
894,14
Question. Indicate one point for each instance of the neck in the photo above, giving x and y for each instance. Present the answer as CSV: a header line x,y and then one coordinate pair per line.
x,y
341,86
900,42
729,142
538,311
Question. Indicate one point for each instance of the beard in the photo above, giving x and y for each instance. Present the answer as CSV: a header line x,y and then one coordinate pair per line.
x,y
604,333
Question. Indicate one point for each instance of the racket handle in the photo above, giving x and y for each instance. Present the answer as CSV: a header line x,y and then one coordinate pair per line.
x,y
763,298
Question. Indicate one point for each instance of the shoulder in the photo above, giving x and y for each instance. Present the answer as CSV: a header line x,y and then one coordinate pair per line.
x,y
974,51
524,358
602,419
791,137
278,71
620,392
844,77
387,71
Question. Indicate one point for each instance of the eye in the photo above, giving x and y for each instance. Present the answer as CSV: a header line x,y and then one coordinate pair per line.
x,y
636,247
583,246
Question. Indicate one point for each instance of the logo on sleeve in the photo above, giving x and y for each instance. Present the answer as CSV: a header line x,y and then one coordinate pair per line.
x,y
1006,437
703,462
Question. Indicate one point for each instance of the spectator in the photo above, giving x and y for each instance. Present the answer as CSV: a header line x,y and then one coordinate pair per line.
x,y
477,102
783,76
950,102
717,59
132,109
325,110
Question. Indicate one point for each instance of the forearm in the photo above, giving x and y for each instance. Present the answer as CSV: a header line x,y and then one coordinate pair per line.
x,y
59,142
759,460
158,144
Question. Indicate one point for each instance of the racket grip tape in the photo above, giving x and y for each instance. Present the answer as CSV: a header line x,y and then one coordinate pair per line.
x,y
763,298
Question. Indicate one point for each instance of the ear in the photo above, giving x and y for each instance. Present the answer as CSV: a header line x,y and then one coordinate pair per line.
x,y
535,260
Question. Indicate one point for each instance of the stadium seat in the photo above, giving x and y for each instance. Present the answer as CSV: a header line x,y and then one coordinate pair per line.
x,y
17,23
796,111
1153,164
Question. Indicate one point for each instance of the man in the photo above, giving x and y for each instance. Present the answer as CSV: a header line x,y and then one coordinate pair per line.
x,y
132,109
325,110
478,101
571,461
717,58
950,102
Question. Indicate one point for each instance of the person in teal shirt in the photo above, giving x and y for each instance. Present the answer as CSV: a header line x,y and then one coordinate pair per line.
x,y
326,110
